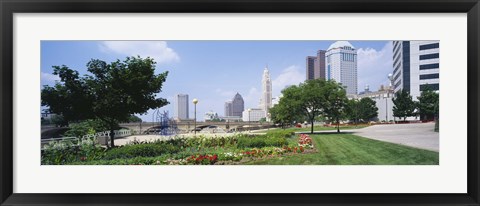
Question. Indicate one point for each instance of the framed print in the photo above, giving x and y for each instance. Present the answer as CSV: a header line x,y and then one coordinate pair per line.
x,y
246,103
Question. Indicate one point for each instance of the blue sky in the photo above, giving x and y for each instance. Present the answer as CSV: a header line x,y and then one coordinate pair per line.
x,y
213,71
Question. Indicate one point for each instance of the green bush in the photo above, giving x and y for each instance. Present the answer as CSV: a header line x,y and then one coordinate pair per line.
x,y
281,133
140,150
64,152
261,141
85,127
160,160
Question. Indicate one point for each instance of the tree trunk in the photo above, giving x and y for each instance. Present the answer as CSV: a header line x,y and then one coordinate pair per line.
x,y
112,138
338,125
311,121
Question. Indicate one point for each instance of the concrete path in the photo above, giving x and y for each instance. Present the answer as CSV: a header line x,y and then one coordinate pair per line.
x,y
419,135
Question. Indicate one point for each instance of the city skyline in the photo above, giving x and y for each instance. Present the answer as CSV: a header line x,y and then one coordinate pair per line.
x,y
214,71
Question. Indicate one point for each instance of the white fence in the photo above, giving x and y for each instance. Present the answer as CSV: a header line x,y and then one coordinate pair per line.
x,y
101,137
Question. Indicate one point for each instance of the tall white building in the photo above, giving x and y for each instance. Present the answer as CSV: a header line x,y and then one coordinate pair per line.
x,y
266,99
341,65
415,65
181,106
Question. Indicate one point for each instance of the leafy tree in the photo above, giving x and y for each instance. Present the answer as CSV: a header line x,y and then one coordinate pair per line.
x,y
134,118
287,110
310,100
111,94
352,110
367,109
335,105
427,104
403,105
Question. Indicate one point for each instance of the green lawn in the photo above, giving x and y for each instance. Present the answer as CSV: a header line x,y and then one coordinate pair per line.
x,y
347,149
315,128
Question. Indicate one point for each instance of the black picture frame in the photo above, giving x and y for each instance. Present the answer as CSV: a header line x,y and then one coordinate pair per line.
x,y
10,7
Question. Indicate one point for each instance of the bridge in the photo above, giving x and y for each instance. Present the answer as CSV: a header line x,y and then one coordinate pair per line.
x,y
189,126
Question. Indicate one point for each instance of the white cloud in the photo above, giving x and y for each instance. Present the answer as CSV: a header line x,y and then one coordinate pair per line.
x,y
291,75
252,99
48,79
158,50
374,66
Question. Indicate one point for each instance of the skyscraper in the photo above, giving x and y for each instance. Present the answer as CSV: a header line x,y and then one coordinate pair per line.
x,y
315,66
310,70
266,99
320,65
228,108
181,106
237,105
415,65
342,65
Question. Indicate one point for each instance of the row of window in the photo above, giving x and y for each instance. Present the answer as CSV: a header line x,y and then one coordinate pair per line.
x,y
429,56
429,66
397,76
348,57
429,76
429,46
424,87
395,44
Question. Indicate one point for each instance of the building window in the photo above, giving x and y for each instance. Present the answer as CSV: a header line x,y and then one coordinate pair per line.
x,y
429,66
434,87
429,56
429,76
429,46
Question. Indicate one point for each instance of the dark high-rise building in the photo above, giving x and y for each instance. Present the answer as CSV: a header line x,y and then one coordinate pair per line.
x,y
237,105
320,65
315,66
310,70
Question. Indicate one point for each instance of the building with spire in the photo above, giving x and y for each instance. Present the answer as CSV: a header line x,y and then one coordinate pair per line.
x,y
266,99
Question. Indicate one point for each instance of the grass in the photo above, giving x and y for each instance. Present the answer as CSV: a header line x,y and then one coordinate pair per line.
x,y
347,149
315,128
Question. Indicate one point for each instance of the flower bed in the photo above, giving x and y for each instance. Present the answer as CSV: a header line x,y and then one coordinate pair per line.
x,y
199,150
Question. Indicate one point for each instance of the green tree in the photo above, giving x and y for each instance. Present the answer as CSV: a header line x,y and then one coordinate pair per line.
x,y
111,94
367,109
403,105
427,102
309,100
335,105
287,110
134,118
352,110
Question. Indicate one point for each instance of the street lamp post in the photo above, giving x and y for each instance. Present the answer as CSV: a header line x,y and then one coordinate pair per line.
x,y
195,101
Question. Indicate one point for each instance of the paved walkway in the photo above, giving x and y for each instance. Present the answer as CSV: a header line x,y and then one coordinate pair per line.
x,y
420,135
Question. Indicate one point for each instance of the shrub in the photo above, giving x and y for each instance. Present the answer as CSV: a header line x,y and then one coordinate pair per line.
x,y
141,150
260,141
63,152
85,127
